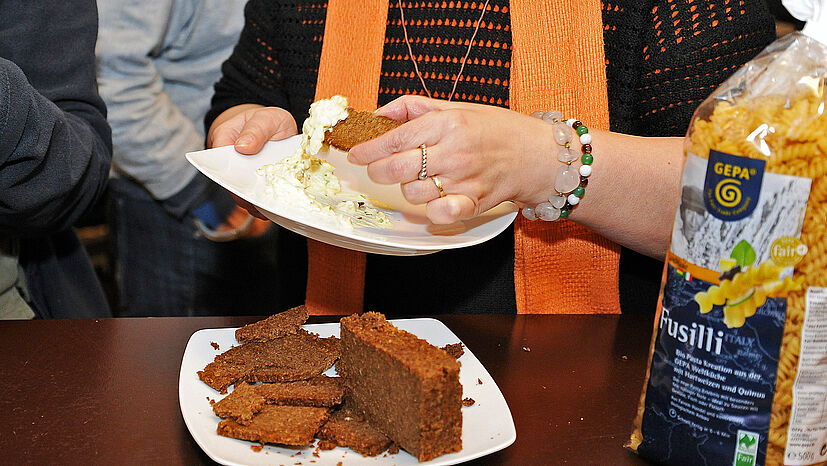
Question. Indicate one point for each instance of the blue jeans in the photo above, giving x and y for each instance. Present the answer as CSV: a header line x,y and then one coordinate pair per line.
x,y
165,267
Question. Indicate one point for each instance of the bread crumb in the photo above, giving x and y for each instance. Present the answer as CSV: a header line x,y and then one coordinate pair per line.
x,y
456,350
468,402
256,448
479,382
215,345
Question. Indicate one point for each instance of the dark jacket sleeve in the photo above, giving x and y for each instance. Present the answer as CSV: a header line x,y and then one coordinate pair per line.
x,y
248,76
55,144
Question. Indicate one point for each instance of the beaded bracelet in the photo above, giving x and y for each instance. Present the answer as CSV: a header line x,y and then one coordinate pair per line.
x,y
570,183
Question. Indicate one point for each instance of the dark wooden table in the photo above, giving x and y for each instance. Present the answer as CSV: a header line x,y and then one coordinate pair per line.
x,y
106,391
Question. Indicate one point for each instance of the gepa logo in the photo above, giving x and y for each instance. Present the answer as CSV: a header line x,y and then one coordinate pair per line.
x,y
732,185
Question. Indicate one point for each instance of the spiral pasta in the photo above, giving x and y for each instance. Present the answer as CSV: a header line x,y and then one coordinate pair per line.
x,y
796,146
742,294
790,135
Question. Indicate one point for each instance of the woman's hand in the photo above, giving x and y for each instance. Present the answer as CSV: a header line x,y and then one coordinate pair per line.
x,y
482,155
248,127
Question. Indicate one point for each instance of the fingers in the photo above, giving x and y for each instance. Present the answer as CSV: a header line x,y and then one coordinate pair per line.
x,y
223,135
429,129
408,136
402,167
449,209
422,191
249,207
262,125
249,129
409,107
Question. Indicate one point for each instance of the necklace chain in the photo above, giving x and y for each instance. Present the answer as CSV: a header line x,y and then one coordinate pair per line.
x,y
464,59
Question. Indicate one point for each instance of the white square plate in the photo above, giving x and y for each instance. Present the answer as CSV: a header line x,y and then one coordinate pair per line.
x,y
487,425
412,232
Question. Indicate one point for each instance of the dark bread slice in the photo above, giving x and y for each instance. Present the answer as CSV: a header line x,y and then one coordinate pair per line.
x,y
241,405
346,428
285,425
321,391
297,356
357,128
247,400
275,326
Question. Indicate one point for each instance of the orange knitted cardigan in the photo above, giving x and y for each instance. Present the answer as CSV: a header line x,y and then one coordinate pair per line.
x,y
558,62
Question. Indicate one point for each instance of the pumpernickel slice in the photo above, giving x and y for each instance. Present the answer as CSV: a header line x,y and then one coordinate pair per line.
x,y
297,356
246,400
275,326
285,425
357,128
241,405
346,428
321,391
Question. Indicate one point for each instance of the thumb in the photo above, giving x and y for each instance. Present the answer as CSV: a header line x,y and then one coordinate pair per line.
x,y
450,208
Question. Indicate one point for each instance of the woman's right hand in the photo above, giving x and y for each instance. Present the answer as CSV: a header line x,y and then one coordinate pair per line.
x,y
248,127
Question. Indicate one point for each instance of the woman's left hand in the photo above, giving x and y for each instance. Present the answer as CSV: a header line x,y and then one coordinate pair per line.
x,y
483,155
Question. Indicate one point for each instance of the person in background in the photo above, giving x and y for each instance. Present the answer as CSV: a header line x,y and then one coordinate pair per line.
x,y
634,68
55,150
182,246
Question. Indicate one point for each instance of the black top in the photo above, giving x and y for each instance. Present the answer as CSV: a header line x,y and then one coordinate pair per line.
x,y
663,59
55,149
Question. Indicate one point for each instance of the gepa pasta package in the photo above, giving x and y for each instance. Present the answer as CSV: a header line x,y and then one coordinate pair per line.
x,y
738,368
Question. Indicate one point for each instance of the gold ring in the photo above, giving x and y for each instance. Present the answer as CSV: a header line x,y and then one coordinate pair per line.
x,y
438,186
423,172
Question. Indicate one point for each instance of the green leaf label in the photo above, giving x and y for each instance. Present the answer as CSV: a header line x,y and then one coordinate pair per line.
x,y
743,253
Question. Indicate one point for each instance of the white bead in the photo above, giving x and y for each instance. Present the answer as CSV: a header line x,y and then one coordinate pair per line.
x,y
567,155
571,121
542,208
546,212
585,170
528,212
557,201
552,215
538,114
573,200
567,179
562,135
552,116
586,138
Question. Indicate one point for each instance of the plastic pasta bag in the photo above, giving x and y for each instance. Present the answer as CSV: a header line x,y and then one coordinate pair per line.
x,y
738,365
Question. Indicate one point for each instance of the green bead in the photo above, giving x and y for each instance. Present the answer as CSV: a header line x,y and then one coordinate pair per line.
x,y
579,191
564,213
581,130
587,159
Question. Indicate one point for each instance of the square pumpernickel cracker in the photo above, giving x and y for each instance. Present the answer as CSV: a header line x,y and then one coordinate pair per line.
x,y
357,128
275,326
285,425
246,400
297,356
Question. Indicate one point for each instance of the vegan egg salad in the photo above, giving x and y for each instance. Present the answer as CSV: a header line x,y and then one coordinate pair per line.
x,y
308,182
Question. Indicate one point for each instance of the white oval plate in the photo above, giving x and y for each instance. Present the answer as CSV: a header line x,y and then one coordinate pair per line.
x,y
487,425
412,232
